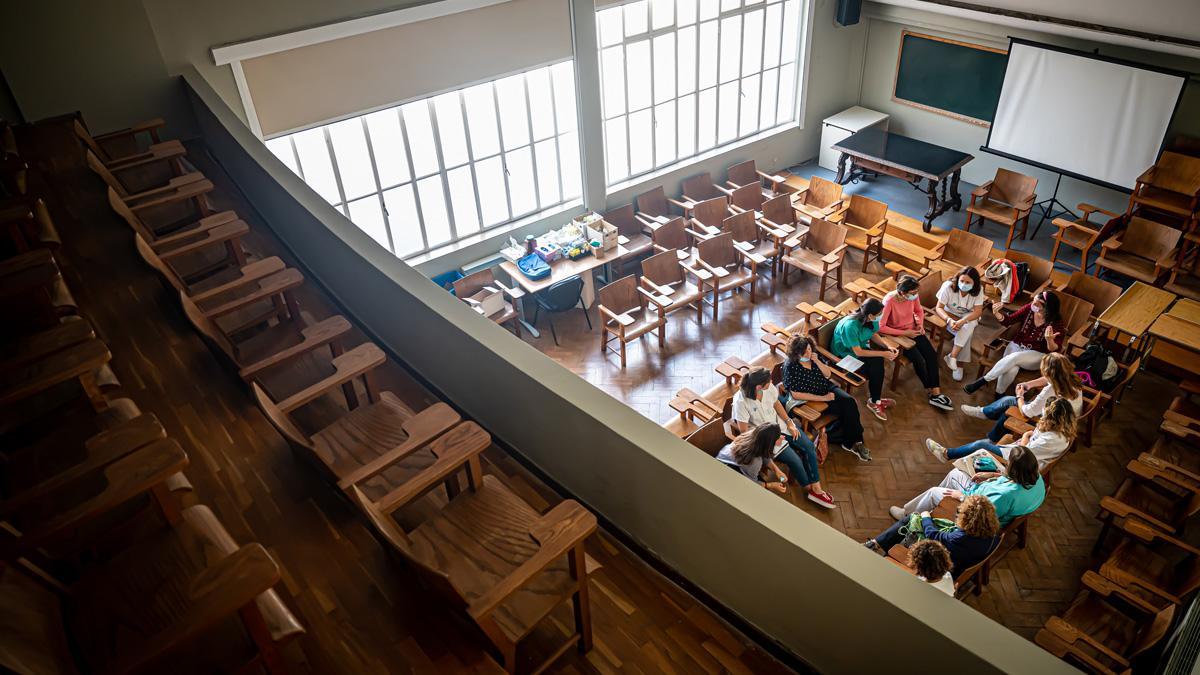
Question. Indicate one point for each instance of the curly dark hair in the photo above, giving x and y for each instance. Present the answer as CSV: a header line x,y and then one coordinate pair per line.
x,y
798,346
977,517
930,559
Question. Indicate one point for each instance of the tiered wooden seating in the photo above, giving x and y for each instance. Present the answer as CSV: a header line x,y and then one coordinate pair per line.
x,y
730,267
1105,629
28,225
32,288
693,407
1155,494
1145,250
636,241
122,144
819,200
1171,187
866,223
746,173
1006,199
961,249
193,249
1082,234
821,253
619,301
667,277
471,284
1185,278
1160,569
155,196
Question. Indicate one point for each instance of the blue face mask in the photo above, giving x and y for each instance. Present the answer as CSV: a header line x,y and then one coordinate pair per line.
x,y
965,287
804,359
911,297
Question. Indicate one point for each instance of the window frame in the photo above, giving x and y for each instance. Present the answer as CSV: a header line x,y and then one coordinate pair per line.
x,y
560,137
797,62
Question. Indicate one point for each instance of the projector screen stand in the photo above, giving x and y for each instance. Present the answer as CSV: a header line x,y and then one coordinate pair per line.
x,y
1048,210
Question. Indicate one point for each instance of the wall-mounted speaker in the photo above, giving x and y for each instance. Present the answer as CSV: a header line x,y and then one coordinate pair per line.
x,y
848,12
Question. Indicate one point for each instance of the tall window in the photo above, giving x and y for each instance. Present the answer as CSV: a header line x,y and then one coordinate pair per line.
x,y
681,77
432,171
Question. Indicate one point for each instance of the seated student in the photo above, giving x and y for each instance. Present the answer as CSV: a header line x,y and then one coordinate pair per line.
x,y
1058,379
806,378
904,316
960,304
753,453
1041,331
1018,492
931,561
1047,441
853,336
976,532
757,402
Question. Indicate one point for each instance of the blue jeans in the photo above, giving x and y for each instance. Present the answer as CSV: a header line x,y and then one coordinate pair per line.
x,y
995,411
800,457
964,450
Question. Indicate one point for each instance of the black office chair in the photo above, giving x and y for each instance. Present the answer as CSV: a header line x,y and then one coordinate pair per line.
x,y
561,296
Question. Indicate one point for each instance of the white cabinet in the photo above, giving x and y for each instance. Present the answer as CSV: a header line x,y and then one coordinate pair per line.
x,y
839,126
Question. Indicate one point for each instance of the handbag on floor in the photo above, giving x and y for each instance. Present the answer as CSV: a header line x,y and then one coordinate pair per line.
x,y
822,444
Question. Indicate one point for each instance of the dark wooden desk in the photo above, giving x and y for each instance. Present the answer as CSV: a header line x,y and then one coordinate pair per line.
x,y
872,151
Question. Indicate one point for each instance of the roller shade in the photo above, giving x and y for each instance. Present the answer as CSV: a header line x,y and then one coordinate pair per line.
x,y
308,85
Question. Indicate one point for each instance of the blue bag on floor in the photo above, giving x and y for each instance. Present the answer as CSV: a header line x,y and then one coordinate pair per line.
x,y
533,267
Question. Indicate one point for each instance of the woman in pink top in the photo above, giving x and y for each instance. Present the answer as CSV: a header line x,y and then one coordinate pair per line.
x,y
904,316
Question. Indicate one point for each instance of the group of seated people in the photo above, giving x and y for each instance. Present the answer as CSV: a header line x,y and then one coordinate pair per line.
x,y
1000,481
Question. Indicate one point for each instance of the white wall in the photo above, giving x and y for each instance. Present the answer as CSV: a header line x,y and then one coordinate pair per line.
x,y
884,24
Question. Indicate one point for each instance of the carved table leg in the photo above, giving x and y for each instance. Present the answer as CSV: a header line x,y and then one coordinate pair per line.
x,y
932,213
955,195
841,174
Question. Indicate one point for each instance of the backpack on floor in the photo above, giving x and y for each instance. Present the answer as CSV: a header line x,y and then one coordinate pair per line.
x,y
1097,367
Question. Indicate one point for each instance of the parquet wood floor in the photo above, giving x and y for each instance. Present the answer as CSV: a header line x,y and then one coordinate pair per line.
x,y
1029,585
363,614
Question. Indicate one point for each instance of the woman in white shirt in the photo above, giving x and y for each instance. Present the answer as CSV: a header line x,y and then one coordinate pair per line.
x,y
1058,379
1047,441
931,562
753,453
960,304
757,402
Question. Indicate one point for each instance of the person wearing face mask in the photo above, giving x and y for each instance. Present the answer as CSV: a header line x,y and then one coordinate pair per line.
x,y
904,316
806,378
853,336
960,304
1040,332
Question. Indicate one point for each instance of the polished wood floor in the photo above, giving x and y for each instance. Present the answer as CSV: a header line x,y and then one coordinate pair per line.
x,y
1029,585
363,613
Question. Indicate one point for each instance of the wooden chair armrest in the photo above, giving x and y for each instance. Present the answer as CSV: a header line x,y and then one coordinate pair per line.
x,y
1148,533
1112,243
717,272
201,239
665,291
67,364
1161,471
1106,588
275,284
936,252
1147,175
175,183
1070,635
423,428
982,190
701,274
160,152
684,205
347,366
456,447
724,190
658,300
317,335
562,529
1167,261
1064,224
171,194
146,126
218,592
251,273
513,292
877,230
1089,209
773,178
201,226
699,235
834,256
1120,508
40,345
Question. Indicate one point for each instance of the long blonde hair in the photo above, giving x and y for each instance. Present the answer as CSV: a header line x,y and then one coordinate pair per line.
x,y
1060,373
1059,417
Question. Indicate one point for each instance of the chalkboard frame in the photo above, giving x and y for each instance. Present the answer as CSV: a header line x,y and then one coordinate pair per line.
x,y
939,111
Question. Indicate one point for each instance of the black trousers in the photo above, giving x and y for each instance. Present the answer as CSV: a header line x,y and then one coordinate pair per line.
x,y
924,360
873,367
848,429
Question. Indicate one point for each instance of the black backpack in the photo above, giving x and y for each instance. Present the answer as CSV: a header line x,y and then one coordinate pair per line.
x,y
1094,361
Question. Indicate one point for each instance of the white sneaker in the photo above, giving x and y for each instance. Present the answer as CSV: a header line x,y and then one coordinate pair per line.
x,y
973,411
897,512
955,371
956,374
936,449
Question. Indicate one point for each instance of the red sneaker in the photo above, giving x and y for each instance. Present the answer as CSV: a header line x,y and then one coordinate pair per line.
x,y
887,402
878,409
821,499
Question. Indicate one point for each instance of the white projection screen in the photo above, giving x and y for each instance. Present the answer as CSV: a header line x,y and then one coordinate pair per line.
x,y
1082,115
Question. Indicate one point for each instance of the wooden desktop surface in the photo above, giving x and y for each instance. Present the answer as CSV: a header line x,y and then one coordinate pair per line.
x,y
1181,325
1137,308
562,269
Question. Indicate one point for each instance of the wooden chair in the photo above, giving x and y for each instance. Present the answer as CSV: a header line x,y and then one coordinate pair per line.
x,y
137,612
710,437
1081,234
1185,278
1160,569
28,225
618,303
708,216
749,237
672,236
1100,293
823,336
665,276
696,189
819,200
821,253
746,198
1184,411
193,250
730,267
652,207
127,153
495,561
637,242
141,196
466,288
123,144
1037,279
972,579
1171,186
778,214
866,223
181,204
746,173
1145,250
693,408
1006,199
1106,629
1076,317
1155,493
961,249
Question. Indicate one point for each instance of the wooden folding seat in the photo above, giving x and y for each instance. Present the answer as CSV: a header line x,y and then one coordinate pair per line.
x,y
471,284
821,253
730,267
746,198
1006,199
192,251
866,223
819,200
1160,569
1106,628
708,216
1145,250
28,224
961,249
637,242
1156,494
780,217
1171,186
652,207
170,603
494,560
746,173
754,240
710,437
122,144
664,275
1082,234
1185,278
619,301
696,189
972,579
33,292
1102,294
672,236
163,204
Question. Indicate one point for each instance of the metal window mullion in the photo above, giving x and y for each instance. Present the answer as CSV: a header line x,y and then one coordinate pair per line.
x,y
387,226
562,197
296,155
762,65
653,117
737,131
628,109
462,105
717,87
779,68
503,158
442,170
337,174
696,107
537,185
412,174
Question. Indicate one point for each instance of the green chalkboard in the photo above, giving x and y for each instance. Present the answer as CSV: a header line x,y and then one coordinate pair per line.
x,y
954,78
